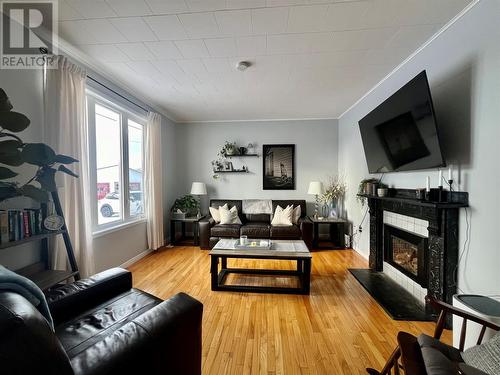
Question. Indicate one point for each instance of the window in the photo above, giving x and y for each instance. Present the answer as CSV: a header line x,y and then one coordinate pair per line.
x,y
116,162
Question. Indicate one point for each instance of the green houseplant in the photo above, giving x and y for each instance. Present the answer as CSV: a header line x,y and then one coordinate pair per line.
x,y
362,189
186,204
15,153
229,149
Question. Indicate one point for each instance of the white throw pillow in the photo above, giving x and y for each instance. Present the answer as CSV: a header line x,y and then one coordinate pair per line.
x,y
297,211
229,216
215,213
282,216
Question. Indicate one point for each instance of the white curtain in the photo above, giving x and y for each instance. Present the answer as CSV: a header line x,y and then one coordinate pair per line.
x,y
65,130
154,182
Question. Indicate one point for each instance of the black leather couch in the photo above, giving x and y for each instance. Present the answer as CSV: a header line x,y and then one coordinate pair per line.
x,y
255,225
102,326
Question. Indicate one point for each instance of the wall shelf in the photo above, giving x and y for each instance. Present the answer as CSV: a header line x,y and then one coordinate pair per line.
x,y
243,156
233,171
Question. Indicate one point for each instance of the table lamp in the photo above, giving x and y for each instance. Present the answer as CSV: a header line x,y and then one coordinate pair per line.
x,y
198,189
316,189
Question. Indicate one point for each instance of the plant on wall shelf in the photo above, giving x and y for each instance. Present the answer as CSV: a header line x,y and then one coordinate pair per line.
x,y
217,165
14,153
229,149
362,187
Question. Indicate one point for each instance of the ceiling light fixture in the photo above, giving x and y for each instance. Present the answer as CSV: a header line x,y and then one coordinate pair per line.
x,y
243,65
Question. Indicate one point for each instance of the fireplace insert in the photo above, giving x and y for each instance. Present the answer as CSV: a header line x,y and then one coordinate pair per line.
x,y
407,252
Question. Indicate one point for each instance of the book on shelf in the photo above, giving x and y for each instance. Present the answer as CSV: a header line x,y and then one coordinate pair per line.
x,y
17,224
4,226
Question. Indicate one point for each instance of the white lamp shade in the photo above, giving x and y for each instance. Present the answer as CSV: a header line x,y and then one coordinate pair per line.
x,y
198,188
315,188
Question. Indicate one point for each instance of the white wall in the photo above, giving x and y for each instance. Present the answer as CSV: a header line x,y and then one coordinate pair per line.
x,y
463,66
198,143
24,88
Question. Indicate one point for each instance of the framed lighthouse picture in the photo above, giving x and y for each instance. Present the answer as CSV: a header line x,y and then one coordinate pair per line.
x,y
278,171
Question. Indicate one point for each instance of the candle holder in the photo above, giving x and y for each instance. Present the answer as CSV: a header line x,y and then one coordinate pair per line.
x,y
427,195
450,183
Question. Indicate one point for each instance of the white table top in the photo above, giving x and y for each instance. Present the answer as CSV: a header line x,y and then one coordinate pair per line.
x,y
279,248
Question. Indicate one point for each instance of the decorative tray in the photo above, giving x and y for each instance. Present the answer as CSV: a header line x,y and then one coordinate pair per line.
x,y
254,245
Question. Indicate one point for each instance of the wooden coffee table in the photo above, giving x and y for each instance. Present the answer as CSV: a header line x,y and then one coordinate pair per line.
x,y
280,250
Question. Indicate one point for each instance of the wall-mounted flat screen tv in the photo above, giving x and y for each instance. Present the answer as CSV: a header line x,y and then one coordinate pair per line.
x,y
401,134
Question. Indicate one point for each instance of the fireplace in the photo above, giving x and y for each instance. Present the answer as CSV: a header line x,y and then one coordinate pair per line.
x,y
407,252
440,252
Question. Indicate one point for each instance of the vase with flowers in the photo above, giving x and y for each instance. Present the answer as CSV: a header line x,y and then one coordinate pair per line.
x,y
334,195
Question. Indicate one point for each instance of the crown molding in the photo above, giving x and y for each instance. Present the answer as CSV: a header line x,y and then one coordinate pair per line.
x,y
257,120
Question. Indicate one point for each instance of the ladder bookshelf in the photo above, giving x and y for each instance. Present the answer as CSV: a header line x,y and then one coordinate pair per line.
x,y
40,272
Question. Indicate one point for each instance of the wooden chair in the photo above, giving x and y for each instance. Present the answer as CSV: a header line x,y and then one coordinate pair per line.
x,y
407,356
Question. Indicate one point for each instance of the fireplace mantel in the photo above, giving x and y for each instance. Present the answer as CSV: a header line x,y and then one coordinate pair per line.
x,y
443,233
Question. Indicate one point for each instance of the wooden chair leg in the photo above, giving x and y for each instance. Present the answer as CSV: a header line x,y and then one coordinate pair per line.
x,y
396,368
392,363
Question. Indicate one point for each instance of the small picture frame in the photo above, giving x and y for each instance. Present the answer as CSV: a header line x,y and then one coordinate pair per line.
x,y
228,166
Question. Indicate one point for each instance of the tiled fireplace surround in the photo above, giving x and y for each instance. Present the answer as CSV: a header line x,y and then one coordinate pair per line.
x,y
415,226
437,220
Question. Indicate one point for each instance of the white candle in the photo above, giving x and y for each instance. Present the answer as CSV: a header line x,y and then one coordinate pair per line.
x,y
449,174
440,182
428,184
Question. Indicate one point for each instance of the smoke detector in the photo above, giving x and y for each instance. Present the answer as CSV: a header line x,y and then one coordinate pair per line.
x,y
243,65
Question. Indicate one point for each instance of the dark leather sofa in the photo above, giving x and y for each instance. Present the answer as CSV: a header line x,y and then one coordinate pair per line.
x,y
102,326
255,225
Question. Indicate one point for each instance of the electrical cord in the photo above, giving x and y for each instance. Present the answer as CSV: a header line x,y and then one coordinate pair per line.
x,y
360,225
466,246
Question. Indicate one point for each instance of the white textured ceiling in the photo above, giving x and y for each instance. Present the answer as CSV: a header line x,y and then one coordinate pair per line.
x,y
311,58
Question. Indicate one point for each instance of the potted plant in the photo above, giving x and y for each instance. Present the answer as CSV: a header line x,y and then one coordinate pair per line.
x,y
186,206
334,193
368,186
14,153
229,149
217,166
382,190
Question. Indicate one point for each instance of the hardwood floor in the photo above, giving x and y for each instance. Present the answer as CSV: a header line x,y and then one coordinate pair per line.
x,y
338,329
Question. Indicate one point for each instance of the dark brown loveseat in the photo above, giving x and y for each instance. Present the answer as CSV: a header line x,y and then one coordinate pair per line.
x,y
255,225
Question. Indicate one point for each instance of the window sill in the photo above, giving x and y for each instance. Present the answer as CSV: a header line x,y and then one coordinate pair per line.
x,y
115,228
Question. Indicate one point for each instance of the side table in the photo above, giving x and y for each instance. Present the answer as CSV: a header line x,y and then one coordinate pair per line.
x,y
190,220
336,230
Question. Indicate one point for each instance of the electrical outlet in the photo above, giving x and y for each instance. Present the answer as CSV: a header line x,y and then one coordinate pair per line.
x,y
360,229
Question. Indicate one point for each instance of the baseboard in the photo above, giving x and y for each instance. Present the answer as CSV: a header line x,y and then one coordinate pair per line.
x,y
135,259
361,253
